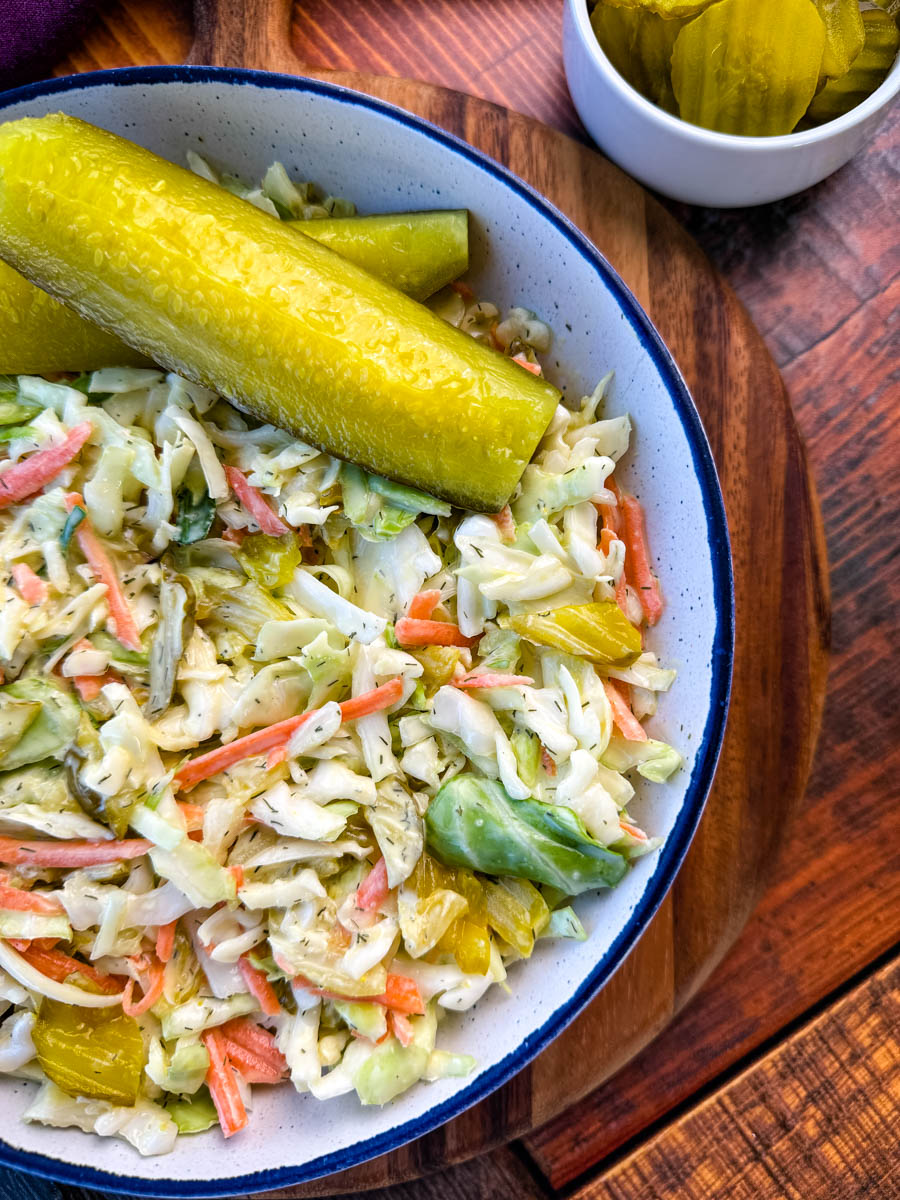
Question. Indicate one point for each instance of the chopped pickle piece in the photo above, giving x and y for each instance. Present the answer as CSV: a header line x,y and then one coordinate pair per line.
x,y
844,35
639,43
599,631
92,1052
439,663
663,8
749,67
285,328
867,73
517,911
269,561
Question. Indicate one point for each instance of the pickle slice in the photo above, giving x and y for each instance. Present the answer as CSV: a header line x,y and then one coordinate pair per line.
x,y
844,35
663,8
639,45
415,252
749,66
208,286
868,71
90,1052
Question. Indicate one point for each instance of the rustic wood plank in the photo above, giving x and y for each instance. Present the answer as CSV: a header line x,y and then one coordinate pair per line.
x,y
814,1119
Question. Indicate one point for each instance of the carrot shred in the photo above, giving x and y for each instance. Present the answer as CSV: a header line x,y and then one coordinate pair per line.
x,y
59,966
374,890
547,762
369,702
104,572
623,718
253,1067
534,368
233,535
278,735
70,854
505,523
633,831
423,604
402,994
255,503
19,900
412,632
260,988
31,587
462,289
607,537
89,687
245,1032
223,1087
637,559
153,976
491,679
165,941
30,475
401,1027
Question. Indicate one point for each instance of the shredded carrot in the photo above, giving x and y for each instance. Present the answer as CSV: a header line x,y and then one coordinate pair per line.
x,y
237,874
260,988
59,966
401,1027
89,687
622,593
637,559
423,604
263,740
255,503
165,941
369,702
402,994
19,900
104,572
245,1032
31,587
374,890
276,756
623,718
304,537
223,1086
463,289
70,854
412,632
610,512
30,475
153,975
607,537
233,535
633,831
491,679
534,368
253,1067
505,523
547,762
492,334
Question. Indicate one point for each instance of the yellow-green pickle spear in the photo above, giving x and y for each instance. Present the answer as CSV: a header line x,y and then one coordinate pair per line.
x,y
416,252
206,285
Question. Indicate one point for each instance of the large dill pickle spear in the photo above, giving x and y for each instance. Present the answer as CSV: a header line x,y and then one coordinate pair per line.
x,y
207,285
415,252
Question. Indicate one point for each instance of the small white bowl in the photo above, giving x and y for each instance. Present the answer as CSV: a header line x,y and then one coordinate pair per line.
x,y
698,165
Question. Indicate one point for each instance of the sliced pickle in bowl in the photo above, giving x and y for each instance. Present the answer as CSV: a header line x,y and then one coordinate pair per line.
x,y
639,45
845,35
868,72
749,67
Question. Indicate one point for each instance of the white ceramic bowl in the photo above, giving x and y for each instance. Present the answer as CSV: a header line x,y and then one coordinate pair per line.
x,y
524,251
697,165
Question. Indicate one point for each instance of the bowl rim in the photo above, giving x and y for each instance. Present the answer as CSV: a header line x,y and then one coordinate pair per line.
x,y
722,655
878,100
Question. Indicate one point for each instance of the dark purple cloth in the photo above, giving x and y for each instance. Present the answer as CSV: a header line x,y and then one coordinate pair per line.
x,y
34,34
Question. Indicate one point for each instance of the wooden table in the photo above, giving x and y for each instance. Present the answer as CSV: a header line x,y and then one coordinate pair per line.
x,y
782,1077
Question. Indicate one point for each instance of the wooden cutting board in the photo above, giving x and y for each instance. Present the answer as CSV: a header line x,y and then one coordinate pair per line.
x,y
781,587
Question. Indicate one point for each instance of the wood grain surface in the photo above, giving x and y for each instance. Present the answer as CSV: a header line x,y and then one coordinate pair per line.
x,y
794,1123
819,274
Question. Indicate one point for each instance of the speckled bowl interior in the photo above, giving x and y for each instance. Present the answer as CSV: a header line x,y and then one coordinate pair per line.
x,y
526,253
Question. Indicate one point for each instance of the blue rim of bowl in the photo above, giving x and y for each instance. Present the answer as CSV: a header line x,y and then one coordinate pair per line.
x,y
707,755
